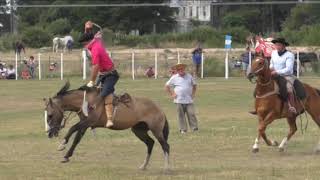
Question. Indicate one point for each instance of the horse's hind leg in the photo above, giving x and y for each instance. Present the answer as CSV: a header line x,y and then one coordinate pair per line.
x,y
293,128
162,137
316,118
312,107
141,131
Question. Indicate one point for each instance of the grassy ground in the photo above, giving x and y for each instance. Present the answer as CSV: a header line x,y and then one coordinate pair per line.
x,y
220,150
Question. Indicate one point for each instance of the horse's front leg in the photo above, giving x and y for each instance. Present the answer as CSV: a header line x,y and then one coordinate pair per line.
x,y
293,128
66,138
83,126
263,123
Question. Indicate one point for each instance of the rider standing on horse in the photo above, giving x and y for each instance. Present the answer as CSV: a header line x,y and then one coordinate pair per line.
x,y
281,63
102,65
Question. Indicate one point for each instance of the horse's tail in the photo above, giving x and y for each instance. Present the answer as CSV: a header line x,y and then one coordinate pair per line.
x,y
165,129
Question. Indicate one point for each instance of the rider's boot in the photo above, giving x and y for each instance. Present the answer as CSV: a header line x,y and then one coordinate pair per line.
x,y
291,102
109,110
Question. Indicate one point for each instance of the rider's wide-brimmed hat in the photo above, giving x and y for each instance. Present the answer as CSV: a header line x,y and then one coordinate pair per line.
x,y
280,40
180,66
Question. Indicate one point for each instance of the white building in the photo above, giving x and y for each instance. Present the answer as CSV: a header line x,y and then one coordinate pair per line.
x,y
198,10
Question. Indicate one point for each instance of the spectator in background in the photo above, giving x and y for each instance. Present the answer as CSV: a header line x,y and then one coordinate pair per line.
x,y
149,72
172,71
25,73
197,60
11,72
18,47
182,88
3,71
245,58
32,65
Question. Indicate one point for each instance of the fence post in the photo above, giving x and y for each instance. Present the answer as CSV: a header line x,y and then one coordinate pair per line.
x,y
249,66
46,126
202,62
227,65
298,65
61,66
16,66
132,64
84,64
39,66
178,56
156,65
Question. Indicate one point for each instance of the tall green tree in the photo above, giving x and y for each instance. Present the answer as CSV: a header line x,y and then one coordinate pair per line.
x,y
122,19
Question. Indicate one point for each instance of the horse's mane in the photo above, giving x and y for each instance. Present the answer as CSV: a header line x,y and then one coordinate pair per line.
x,y
64,89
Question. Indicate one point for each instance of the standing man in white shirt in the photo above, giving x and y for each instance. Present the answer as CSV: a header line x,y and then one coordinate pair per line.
x,y
182,88
281,63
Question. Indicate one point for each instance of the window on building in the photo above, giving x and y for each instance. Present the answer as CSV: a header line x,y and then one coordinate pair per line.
x,y
204,11
184,12
190,11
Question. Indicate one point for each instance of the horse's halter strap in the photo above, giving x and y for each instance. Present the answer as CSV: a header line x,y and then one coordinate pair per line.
x,y
65,118
263,66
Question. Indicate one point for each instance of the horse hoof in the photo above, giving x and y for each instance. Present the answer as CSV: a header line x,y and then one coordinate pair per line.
x,y
61,147
65,160
274,143
142,168
255,150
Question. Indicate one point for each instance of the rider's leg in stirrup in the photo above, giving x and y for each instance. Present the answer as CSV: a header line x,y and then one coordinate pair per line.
x,y
109,110
291,98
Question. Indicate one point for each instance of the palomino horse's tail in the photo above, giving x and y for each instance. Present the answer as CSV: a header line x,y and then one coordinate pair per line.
x,y
165,130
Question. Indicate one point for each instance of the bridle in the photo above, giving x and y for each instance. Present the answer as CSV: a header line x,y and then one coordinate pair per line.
x,y
60,110
265,64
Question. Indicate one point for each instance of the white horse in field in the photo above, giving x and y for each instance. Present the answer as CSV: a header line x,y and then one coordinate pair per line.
x,y
64,43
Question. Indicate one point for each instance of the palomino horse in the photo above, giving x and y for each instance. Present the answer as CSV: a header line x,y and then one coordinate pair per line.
x,y
269,106
65,43
139,114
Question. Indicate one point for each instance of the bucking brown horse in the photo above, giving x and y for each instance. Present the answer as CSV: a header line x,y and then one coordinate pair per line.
x,y
139,114
269,105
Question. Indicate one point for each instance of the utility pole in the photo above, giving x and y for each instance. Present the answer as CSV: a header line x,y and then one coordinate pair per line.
x,y
11,16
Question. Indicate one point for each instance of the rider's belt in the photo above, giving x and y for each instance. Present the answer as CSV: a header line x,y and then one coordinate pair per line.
x,y
105,73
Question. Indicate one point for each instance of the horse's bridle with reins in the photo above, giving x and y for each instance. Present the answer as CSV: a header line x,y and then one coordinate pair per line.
x,y
265,64
65,117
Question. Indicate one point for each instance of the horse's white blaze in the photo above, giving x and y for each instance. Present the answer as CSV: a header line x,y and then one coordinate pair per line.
x,y
256,144
46,125
283,143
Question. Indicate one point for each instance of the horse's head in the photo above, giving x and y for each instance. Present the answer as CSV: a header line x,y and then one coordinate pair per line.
x,y
55,112
258,66
54,116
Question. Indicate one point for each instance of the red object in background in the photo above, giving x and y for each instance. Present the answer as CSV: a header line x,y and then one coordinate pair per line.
x,y
264,45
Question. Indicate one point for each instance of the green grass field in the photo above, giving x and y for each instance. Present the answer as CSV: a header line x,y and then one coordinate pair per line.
x,y
220,150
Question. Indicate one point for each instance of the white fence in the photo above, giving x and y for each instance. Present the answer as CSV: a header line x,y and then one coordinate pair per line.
x,y
134,62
